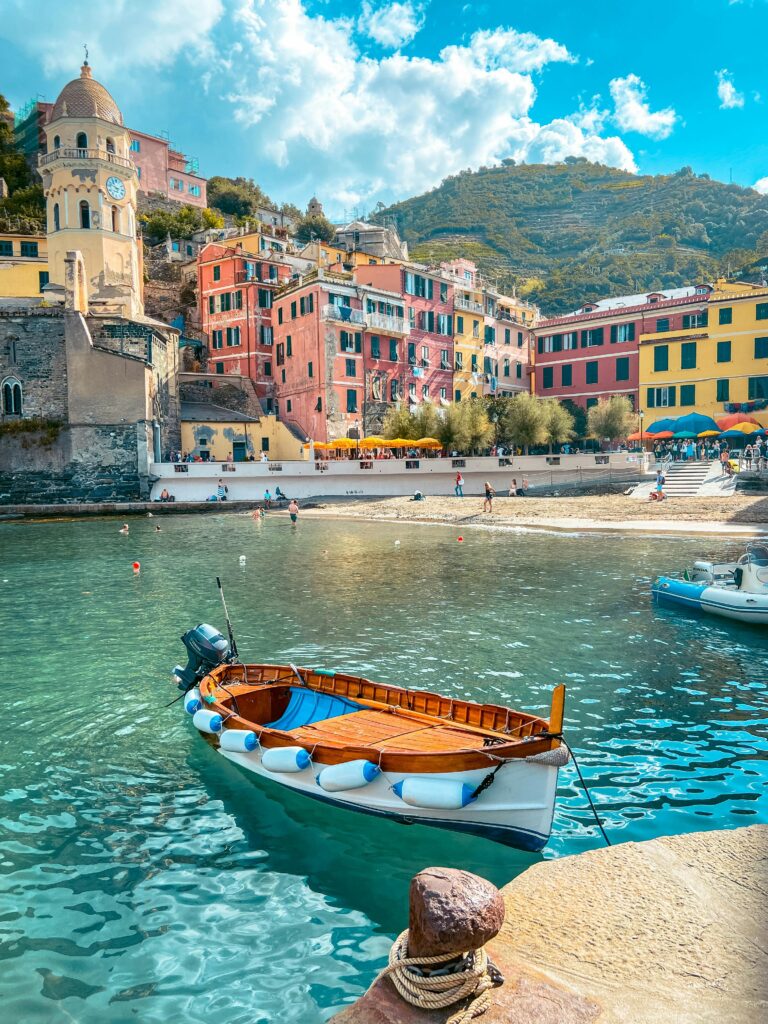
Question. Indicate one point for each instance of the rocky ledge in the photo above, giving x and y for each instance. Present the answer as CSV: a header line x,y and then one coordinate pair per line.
x,y
673,930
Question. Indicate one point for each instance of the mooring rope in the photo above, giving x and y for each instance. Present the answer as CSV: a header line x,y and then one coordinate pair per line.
x,y
472,979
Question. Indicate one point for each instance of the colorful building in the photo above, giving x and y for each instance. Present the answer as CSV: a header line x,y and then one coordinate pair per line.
x,y
593,353
23,265
713,360
216,434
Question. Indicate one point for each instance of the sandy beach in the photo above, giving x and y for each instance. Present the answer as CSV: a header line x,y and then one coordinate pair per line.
x,y
739,515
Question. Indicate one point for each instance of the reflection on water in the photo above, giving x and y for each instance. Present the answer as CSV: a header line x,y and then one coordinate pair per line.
x,y
143,878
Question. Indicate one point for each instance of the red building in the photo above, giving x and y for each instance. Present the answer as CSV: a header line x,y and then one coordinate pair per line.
x,y
236,290
593,353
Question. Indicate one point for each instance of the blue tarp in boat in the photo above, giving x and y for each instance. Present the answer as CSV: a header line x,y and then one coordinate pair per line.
x,y
308,706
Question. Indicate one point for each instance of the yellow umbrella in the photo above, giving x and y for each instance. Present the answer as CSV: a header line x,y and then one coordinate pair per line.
x,y
709,433
343,442
372,442
745,428
400,442
428,442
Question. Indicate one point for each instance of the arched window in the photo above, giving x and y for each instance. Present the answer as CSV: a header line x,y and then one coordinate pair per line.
x,y
115,219
85,214
56,142
82,140
110,146
12,399
56,220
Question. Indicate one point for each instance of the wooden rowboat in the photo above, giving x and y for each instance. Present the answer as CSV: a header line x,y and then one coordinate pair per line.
x,y
411,755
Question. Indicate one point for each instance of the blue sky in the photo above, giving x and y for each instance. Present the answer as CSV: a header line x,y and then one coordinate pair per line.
x,y
376,101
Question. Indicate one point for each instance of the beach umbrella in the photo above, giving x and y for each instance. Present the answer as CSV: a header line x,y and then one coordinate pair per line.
x,y
745,427
660,425
733,434
663,435
635,436
696,422
708,433
372,442
427,442
684,435
343,442
726,422
399,442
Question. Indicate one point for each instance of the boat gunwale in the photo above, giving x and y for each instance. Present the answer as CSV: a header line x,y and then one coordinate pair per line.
x,y
328,751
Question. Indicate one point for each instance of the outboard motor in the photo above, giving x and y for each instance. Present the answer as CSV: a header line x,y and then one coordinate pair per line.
x,y
206,647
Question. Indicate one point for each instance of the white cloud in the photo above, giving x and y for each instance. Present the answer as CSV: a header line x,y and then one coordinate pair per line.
x,y
392,25
632,111
515,51
726,91
761,186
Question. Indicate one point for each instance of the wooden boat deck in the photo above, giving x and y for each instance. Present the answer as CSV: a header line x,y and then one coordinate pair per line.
x,y
383,730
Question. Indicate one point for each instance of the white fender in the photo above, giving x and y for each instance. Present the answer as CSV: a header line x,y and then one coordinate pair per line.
x,y
438,793
192,701
241,740
285,759
207,721
349,775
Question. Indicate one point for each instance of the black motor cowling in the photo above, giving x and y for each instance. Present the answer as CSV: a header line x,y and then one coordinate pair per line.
x,y
206,647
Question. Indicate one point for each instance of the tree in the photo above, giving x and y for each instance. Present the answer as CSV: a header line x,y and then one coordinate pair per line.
x,y
399,422
479,427
25,202
238,197
612,418
558,423
181,223
426,421
579,415
315,227
522,421
453,430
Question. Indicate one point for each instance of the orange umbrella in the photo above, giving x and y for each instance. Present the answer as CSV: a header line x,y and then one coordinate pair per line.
x,y
637,436
727,422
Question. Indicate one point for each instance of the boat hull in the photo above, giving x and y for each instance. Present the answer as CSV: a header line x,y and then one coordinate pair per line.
x,y
515,810
725,602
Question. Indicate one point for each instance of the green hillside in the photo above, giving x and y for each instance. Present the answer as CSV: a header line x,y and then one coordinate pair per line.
x,y
567,233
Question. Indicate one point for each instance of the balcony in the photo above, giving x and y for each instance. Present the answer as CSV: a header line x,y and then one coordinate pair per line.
x,y
469,305
343,314
387,324
46,159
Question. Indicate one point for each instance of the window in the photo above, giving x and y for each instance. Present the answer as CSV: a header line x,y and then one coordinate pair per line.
x,y
350,369
393,350
233,337
622,332
81,141
458,361
520,339
687,394
723,391
279,312
266,336
116,222
415,284
457,395
761,311
293,311
490,335
211,304
566,375
443,394
302,305
264,298
592,373
225,302
6,248
282,376
723,351
219,367
761,348
427,320
658,398
412,392
85,215
473,363
622,368
592,337
444,325
375,347
289,346
319,404
42,279
310,370
506,367
725,315
425,355
443,292
218,339
687,357
12,397
268,369
56,142
194,190
217,272
351,400
350,342
518,370
661,358
393,390
695,320
547,377
445,359
459,324
411,353
662,325
475,328
111,146
591,402
425,391
138,173
280,353
135,146
29,249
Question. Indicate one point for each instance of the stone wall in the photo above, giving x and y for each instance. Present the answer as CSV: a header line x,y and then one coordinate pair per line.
x,y
32,350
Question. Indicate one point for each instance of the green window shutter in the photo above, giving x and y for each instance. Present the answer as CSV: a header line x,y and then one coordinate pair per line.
x,y
459,324
687,394
614,333
651,398
688,355
358,341
672,395
761,348
723,390
661,358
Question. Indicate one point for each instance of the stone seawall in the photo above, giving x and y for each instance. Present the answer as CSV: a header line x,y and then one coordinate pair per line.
x,y
670,931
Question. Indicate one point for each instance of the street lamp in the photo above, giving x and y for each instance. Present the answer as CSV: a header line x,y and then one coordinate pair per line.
x,y
642,416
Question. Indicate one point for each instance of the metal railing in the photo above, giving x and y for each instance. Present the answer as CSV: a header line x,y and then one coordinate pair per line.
x,y
389,324
467,304
84,154
343,314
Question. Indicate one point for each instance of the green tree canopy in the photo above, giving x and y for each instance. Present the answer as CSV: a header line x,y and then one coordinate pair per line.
x,y
399,422
558,423
25,203
316,227
612,418
238,197
522,421
181,223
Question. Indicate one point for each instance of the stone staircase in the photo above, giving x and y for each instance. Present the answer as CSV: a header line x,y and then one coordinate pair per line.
x,y
684,479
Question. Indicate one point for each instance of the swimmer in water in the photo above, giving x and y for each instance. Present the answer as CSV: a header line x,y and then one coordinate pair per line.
x,y
123,528
157,529
293,510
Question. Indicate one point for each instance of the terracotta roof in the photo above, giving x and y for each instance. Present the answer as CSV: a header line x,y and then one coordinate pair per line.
x,y
85,97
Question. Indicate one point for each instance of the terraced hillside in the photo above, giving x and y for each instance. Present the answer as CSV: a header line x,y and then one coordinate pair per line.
x,y
566,233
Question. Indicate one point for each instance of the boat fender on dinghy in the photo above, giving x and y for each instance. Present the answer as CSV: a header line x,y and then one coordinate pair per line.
x,y
436,794
240,740
285,759
192,701
207,721
348,775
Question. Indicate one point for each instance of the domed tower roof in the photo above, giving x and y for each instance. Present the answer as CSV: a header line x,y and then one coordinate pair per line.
x,y
85,97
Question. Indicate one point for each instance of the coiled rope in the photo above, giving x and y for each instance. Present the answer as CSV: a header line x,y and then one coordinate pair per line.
x,y
473,977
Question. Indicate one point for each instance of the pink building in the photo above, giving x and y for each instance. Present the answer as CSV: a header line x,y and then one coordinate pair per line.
x,y
166,171
594,352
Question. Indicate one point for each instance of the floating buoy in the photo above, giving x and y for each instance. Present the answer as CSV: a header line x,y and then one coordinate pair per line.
x,y
285,759
240,740
136,568
348,775
459,540
242,559
397,543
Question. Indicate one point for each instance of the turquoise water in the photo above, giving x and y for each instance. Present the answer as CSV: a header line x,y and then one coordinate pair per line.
x,y
144,878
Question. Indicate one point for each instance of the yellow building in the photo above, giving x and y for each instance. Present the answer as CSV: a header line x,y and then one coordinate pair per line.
x,y
716,358
468,329
217,434
23,265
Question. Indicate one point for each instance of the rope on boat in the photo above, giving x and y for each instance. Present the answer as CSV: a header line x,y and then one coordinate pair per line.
x,y
472,978
586,791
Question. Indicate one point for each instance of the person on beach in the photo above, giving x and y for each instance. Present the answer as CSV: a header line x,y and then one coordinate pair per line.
x,y
267,499
524,487
458,490
293,510
489,495
123,529
221,491
513,488
258,513
748,457
725,460
658,493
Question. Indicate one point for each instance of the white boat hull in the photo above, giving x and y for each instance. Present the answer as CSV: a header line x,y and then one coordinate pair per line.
x,y
727,602
516,809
